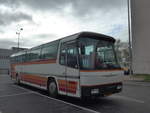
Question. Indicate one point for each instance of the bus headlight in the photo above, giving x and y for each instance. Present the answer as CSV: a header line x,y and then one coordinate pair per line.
x,y
94,91
119,86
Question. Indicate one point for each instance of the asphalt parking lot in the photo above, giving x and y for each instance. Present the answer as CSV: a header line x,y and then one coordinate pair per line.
x,y
135,98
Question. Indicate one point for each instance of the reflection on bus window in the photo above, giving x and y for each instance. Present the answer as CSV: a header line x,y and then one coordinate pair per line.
x,y
62,57
68,55
97,54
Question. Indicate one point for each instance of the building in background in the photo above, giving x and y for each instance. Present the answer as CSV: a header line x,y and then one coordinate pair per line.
x,y
5,59
140,18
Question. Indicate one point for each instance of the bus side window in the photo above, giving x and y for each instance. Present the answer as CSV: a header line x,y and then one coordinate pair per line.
x,y
49,50
35,54
68,55
72,56
63,57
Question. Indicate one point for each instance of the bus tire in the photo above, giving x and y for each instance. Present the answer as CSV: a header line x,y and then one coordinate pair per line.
x,y
52,88
17,79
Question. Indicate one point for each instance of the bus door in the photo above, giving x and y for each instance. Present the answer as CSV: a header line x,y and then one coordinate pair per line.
x,y
71,68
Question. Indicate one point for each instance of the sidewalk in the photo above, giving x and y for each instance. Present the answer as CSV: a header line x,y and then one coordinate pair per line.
x,y
131,78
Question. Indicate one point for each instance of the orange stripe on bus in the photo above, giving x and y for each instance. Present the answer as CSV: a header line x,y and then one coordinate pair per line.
x,y
36,79
48,61
67,86
101,70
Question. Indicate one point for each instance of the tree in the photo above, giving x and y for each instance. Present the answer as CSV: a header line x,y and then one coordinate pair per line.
x,y
122,53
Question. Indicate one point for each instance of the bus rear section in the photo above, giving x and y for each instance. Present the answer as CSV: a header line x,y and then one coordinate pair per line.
x,y
100,72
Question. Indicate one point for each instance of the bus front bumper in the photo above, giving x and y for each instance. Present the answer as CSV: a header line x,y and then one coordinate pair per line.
x,y
101,90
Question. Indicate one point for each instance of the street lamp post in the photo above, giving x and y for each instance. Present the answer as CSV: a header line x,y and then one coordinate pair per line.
x,y
18,33
130,35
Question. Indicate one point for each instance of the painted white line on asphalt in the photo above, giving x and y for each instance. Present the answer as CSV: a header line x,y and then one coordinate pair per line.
x,y
11,95
80,107
83,108
128,98
16,86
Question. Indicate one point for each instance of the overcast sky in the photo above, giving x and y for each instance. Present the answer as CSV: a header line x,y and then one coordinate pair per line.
x,y
46,20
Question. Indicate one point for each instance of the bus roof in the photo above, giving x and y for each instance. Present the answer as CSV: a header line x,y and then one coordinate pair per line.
x,y
71,37
18,53
97,35
88,34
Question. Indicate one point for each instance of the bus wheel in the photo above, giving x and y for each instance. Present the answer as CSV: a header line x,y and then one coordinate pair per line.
x,y
52,89
17,79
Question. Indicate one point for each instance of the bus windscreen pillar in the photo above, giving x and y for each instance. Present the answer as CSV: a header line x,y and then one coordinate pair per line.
x,y
140,22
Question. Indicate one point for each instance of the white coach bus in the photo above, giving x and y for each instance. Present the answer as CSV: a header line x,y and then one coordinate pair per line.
x,y
80,65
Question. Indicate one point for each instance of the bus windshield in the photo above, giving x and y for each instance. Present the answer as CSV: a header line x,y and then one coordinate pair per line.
x,y
97,54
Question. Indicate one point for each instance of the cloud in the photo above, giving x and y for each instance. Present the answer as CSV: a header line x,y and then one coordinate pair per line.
x,y
83,7
36,39
10,3
1,31
119,31
79,7
9,17
44,36
7,43
60,17
36,4
26,42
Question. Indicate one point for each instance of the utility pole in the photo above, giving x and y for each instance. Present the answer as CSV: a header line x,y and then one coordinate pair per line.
x,y
130,34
